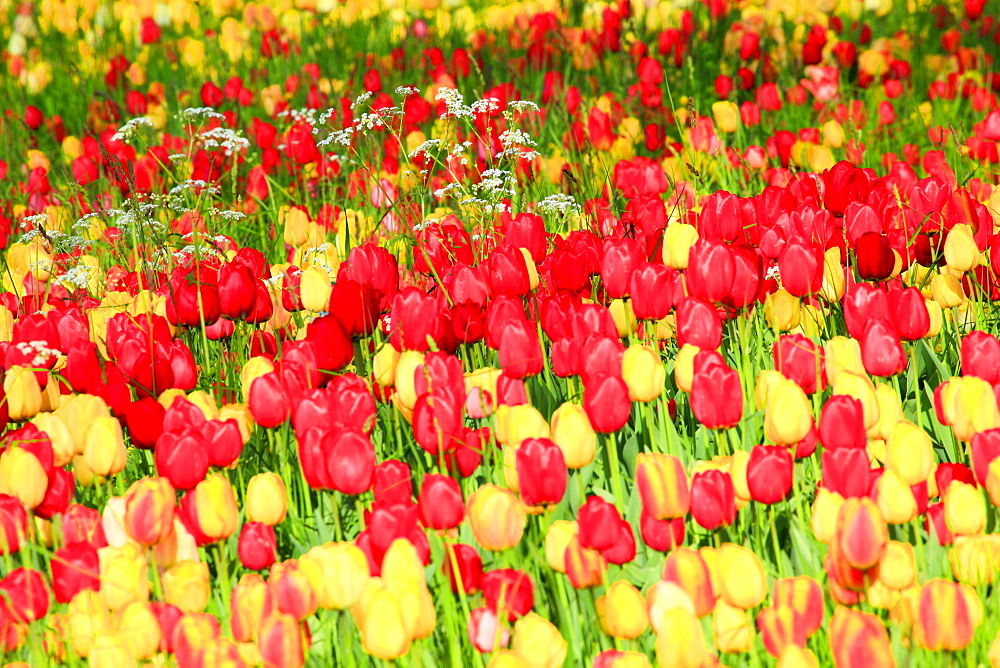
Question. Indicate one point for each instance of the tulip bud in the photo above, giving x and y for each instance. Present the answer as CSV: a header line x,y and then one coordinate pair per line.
x,y
186,585
496,517
960,251
733,630
684,366
677,241
252,370
643,372
834,282
343,573
267,499
613,658
895,498
380,619
841,354
788,415
663,485
769,473
257,548
622,611
523,421
910,452
111,650
861,388
687,569
538,642
898,568
767,380
947,291
861,533
889,409
572,432
782,310
104,447
825,510
557,539
23,476
741,576
22,393
584,566
964,509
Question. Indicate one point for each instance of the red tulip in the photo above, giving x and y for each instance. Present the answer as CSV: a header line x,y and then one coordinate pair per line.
x,y
507,272
847,471
621,258
599,522
985,448
541,472
908,310
862,304
661,535
75,568
393,483
470,568
257,547
415,318
842,423
800,360
654,289
801,268
881,351
698,323
770,472
623,550
875,259
23,595
980,354
520,350
605,399
716,393
713,500
181,457
350,461
440,504
711,270
508,591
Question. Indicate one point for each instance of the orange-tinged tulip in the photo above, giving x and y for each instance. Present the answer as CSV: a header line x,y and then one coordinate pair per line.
x,y
948,615
22,393
613,658
572,432
898,569
149,510
910,452
280,641
683,642
267,499
104,447
224,653
733,630
677,241
622,611
643,372
496,517
584,567
741,576
343,573
557,539
686,568
684,367
859,639
787,414
895,498
251,371
964,508
123,573
663,485
780,629
292,589
138,623
861,533
538,642
825,510
379,617
177,546
186,585
251,602
803,596
23,477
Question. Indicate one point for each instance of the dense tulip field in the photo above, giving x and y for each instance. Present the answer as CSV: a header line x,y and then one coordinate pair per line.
x,y
469,333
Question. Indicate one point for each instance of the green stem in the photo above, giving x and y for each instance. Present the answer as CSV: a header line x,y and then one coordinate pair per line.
x,y
617,487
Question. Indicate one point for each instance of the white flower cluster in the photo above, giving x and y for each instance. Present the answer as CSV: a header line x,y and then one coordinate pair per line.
x,y
78,276
191,113
407,90
424,148
361,99
522,105
559,203
228,140
512,142
127,131
485,106
342,137
454,103
35,221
